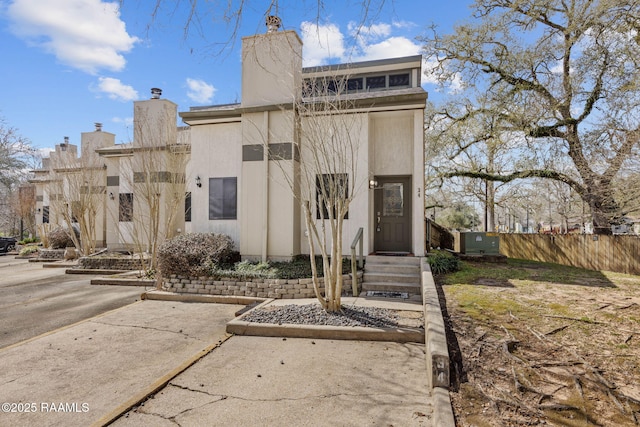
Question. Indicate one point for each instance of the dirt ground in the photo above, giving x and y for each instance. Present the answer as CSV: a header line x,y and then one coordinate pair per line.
x,y
542,344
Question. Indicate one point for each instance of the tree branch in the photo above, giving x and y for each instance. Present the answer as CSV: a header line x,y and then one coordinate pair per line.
x,y
532,173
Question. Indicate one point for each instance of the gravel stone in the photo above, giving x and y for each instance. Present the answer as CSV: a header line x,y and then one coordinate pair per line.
x,y
313,314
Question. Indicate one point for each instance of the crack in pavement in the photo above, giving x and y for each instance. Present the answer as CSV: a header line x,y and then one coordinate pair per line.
x,y
172,418
180,332
155,414
287,399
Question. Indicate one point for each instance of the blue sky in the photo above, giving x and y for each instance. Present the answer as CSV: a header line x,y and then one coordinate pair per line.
x,y
69,63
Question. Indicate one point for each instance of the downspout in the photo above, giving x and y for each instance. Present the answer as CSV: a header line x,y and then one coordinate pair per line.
x,y
265,188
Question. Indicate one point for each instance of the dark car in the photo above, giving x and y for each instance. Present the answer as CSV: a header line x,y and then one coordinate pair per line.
x,y
7,244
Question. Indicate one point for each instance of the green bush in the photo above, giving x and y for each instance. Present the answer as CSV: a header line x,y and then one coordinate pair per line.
x,y
196,254
28,250
28,240
442,262
298,268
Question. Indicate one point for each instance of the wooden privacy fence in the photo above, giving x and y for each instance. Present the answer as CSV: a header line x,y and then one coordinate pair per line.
x,y
611,253
437,236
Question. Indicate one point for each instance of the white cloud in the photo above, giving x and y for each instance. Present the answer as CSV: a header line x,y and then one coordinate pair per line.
x,y
325,42
85,34
115,89
127,121
365,35
200,91
432,75
321,43
392,47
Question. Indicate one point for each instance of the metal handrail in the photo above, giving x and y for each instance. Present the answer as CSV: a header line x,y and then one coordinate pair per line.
x,y
354,262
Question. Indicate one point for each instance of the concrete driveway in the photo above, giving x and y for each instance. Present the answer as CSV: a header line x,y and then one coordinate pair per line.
x,y
35,300
88,371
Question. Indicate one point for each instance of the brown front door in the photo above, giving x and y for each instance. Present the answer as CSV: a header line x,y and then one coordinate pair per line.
x,y
392,214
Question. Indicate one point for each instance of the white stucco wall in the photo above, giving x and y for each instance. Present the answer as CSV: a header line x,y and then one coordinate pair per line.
x,y
359,216
216,152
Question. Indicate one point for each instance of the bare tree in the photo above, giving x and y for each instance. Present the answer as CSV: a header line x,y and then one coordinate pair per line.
x,y
24,206
15,153
78,186
155,174
326,179
561,76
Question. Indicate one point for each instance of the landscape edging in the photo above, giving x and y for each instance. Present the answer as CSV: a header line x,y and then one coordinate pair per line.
x,y
436,350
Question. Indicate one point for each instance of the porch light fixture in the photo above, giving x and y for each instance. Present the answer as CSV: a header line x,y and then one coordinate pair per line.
x,y
373,184
39,210
198,181
111,197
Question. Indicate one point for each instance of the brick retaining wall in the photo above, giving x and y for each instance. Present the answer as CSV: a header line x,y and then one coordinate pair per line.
x,y
52,254
103,263
261,288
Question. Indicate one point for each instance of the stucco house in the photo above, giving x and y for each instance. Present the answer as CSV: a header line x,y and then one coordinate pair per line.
x,y
238,167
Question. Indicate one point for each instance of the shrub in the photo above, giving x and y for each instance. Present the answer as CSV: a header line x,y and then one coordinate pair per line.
x,y
298,268
59,238
28,250
196,254
28,240
443,262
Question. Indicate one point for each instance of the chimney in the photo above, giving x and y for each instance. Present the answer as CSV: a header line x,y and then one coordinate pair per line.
x,y
155,93
63,146
98,127
273,23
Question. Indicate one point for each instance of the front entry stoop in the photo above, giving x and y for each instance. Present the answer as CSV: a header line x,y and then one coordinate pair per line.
x,y
393,276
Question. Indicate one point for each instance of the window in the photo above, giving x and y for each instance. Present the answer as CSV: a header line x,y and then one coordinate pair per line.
x,y
396,80
393,199
354,84
126,207
377,82
187,207
45,214
329,188
223,196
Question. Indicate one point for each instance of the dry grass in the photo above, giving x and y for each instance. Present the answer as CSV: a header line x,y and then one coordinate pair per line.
x,y
543,344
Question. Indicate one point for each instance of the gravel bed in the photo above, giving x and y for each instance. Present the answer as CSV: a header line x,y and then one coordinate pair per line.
x,y
313,314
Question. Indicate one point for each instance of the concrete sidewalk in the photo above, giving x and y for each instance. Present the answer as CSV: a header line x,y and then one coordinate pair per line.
x,y
99,368
84,373
260,381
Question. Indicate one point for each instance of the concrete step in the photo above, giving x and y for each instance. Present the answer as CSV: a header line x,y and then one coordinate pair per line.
x,y
396,260
370,276
392,268
392,274
392,287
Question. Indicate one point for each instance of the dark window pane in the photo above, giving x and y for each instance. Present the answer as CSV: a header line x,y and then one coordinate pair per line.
x,y
399,80
330,187
354,84
45,214
376,82
223,198
187,207
393,199
126,207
